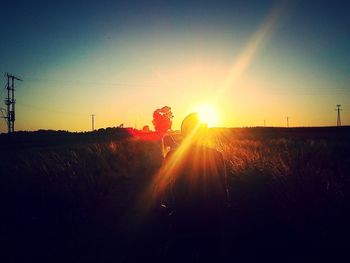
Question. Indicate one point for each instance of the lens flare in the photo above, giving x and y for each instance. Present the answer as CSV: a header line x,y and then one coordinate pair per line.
x,y
208,114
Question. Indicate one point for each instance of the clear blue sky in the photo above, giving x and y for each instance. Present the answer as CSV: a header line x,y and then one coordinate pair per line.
x,y
122,59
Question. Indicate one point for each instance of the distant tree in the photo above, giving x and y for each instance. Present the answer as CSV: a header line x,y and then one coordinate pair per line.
x,y
145,128
162,119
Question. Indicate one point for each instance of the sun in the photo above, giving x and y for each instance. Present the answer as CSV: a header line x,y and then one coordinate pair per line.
x,y
208,114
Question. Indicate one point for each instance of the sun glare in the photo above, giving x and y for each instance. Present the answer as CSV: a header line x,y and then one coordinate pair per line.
x,y
208,114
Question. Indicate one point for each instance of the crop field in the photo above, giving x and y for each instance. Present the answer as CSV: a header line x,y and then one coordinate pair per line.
x,y
82,200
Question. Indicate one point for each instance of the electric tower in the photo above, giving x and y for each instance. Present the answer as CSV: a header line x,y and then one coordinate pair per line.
x,y
338,115
92,122
10,102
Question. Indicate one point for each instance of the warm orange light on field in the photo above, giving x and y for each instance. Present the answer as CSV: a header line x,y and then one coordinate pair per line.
x,y
208,114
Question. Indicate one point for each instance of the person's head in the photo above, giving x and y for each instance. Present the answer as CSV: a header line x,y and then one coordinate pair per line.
x,y
192,128
190,124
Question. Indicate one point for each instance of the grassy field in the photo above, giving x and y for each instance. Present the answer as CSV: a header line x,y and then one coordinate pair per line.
x,y
81,199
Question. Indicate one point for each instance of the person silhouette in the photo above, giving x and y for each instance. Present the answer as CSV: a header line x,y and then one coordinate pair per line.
x,y
194,188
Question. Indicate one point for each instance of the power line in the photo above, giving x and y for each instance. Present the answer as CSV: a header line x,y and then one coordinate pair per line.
x,y
94,83
74,83
41,109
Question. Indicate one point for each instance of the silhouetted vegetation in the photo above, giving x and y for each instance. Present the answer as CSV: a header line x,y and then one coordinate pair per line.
x,y
162,119
44,138
76,196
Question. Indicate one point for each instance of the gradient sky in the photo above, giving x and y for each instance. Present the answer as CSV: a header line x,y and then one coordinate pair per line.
x,y
121,60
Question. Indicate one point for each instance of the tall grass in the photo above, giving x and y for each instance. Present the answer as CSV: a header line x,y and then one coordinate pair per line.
x,y
290,187
287,192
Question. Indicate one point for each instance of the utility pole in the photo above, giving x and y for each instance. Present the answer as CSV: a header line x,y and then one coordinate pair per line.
x,y
10,102
92,122
338,115
287,122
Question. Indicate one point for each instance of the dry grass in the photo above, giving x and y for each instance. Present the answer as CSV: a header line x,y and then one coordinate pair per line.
x,y
285,191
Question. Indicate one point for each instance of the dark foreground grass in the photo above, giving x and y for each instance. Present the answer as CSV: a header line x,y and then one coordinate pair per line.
x,y
289,193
